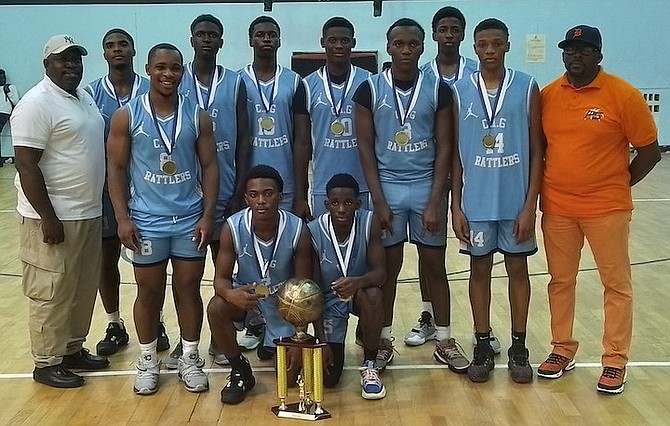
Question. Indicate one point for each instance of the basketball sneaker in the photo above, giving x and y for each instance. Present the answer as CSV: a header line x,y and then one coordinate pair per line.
x,y
385,353
163,343
612,380
252,338
172,361
493,341
424,330
371,383
554,366
237,387
116,336
518,365
482,363
148,372
449,352
195,380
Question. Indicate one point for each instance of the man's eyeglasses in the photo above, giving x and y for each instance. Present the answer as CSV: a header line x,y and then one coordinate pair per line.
x,y
583,50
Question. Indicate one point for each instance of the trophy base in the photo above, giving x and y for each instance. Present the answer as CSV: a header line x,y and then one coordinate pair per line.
x,y
292,412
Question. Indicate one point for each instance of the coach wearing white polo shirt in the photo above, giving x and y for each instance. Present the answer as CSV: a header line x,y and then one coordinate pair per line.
x,y
57,133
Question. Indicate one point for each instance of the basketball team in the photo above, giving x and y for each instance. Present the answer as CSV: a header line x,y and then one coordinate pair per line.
x,y
199,156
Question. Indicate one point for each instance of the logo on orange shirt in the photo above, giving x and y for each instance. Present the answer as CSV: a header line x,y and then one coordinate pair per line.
x,y
594,114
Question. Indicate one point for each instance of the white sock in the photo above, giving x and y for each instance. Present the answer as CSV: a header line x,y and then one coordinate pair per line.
x,y
148,352
115,317
189,348
442,332
427,307
386,333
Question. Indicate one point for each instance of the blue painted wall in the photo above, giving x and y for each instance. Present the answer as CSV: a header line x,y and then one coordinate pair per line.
x,y
634,32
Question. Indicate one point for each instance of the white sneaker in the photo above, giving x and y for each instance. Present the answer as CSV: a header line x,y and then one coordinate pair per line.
x,y
493,341
146,381
195,380
252,338
424,330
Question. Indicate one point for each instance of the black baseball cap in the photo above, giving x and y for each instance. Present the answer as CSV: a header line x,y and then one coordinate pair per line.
x,y
583,33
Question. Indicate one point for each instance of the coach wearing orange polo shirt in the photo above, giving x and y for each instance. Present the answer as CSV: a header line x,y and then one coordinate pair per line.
x,y
590,118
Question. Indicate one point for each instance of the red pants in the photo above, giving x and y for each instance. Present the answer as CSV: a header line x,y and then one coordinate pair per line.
x,y
608,239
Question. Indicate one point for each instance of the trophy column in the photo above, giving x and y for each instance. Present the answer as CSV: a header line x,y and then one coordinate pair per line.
x,y
310,382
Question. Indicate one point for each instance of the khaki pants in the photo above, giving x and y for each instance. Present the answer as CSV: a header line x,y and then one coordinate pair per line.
x,y
608,239
60,282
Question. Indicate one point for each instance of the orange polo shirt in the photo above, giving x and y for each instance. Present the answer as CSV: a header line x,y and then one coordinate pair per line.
x,y
588,132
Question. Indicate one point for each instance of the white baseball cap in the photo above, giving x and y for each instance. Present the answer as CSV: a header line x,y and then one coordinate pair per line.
x,y
59,43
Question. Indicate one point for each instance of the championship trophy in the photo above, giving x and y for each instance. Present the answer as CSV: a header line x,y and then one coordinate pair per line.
x,y
300,302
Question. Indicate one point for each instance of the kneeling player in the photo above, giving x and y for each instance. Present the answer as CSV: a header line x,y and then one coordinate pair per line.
x,y
269,246
350,256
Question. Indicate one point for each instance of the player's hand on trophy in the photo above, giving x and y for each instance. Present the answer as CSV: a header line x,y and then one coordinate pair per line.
x,y
243,297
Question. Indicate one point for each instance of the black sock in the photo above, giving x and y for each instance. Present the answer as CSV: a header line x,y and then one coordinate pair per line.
x,y
483,339
519,338
241,364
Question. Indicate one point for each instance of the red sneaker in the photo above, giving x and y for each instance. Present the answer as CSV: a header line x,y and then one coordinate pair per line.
x,y
554,366
612,380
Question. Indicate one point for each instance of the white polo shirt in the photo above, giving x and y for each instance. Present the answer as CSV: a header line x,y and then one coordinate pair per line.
x,y
70,131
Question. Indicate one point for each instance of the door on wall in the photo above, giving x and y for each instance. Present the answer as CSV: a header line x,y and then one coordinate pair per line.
x,y
304,63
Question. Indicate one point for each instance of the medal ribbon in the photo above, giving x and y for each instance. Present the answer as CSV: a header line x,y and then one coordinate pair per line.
x,y
413,97
343,262
167,142
133,90
205,103
325,77
267,103
489,111
264,265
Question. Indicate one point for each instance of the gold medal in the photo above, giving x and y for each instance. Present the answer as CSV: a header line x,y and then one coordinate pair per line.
x,y
337,128
169,167
489,141
262,290
267,123
401,137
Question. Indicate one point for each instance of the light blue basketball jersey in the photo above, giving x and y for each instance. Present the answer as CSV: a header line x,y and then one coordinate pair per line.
x,y
466,67
495,180
328,262
414,160
274,146
333,153
222,108
281,266
102,92
152,191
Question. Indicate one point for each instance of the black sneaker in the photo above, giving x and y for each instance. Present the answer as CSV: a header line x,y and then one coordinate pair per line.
x,y
163,339
237,387
482,363
265,352
115,337
519,367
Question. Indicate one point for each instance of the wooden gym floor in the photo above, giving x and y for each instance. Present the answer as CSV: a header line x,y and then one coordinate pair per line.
x,y
419,390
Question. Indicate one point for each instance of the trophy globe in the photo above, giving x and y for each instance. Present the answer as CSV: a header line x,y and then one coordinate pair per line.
x,y
300,302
